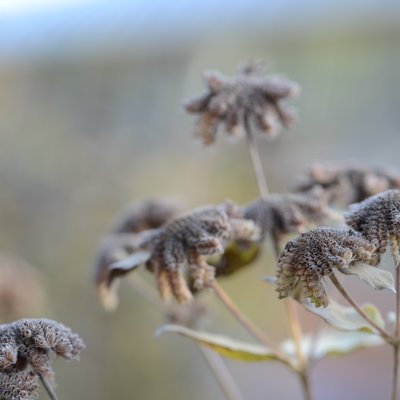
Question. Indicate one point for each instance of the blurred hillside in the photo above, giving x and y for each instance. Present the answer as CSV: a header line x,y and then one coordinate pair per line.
x,y
91,119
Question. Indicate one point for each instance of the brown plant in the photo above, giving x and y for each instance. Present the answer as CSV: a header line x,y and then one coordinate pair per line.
x,y
378,220
19,386
313,255
281,214
347,182
248,96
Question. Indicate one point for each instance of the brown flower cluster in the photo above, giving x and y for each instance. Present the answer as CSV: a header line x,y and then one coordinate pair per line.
x,y
248,96
378,220
313,255
148,214
30,342
282,214
19,386
346,183
177,251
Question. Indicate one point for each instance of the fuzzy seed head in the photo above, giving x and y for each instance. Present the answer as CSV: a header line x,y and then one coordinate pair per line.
x,y
249,96
378,220
347,183
313,255
19,386
282,214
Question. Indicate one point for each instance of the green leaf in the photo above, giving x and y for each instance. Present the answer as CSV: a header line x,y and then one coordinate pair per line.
x,y
375,277
223,345
346,318
332,343
237,255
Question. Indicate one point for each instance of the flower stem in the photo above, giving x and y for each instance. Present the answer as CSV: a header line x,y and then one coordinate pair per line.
x,y
221,373
359,310
50,391
213,360
256,160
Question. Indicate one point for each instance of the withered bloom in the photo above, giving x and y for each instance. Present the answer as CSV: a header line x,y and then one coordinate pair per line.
x,y
19,386
281,214
30,342
347,182
249,95
313,255
180,247
378,219
21,289
148,214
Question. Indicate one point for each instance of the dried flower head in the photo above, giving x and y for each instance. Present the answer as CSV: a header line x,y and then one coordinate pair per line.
x,y
148,214
21,289
248,96
378,219
282,214
313,255
346,183
19,386
180,247
30,342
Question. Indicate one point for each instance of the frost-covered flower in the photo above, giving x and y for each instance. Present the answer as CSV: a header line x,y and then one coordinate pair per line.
x,y
19,386
248,96
313,255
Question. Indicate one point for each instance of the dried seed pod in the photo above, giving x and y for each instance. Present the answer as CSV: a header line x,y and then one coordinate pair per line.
x,y
176,251
347,182
29,342
282,214
313,255
249,95
378,219
19,386
148,214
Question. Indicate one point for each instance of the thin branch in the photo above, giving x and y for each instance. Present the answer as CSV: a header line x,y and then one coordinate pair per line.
x,y
359,310
221,374
50,391
395,378
256,160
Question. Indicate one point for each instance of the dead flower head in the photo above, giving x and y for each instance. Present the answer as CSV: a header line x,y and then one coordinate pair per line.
x,y
378,219
313,255
21,289
282,214
348,182
148,214
19,386
177,251
248,96
30,342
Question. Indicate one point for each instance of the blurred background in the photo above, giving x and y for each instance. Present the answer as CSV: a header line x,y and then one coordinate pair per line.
x,y
91,120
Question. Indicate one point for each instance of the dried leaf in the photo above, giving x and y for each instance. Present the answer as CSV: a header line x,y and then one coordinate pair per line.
x,y
333,343
346,318
223,345
375,277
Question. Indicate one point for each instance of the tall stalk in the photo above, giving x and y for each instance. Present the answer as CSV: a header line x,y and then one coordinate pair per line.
x,y
293,319
397,338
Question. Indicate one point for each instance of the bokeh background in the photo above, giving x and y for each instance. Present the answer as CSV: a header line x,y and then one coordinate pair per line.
x,y
91,119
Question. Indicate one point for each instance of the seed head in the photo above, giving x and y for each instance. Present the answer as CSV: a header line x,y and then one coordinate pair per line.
x,y
176,251
282,214
249,95
148,214
378,219
346,183
29,342
19,386
307,259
